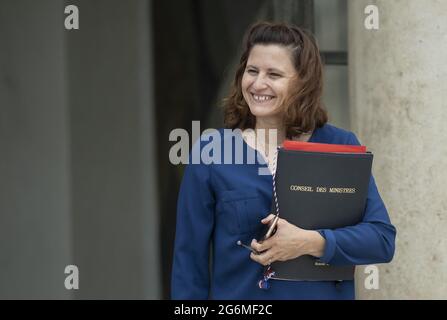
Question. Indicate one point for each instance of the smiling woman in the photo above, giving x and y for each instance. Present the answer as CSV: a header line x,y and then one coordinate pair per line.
x,y
279,79
267,80
277,87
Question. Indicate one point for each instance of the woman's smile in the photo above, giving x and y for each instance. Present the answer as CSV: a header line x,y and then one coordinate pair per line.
x,y
262,99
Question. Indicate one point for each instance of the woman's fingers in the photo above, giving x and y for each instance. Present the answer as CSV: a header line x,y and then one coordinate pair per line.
x,y
268,219
261,246
265,259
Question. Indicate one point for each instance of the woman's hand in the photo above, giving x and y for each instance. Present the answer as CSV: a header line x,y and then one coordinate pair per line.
x,y
289,242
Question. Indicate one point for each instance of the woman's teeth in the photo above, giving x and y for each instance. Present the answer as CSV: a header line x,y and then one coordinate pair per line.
x,y
258,98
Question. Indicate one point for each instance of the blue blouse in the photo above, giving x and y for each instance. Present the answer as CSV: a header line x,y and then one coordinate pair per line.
x,y
219,204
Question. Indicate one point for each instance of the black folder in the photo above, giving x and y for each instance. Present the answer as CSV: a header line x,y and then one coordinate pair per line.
x,y
318,190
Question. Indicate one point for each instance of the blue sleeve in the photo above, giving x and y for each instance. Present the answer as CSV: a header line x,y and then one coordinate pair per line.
x,y
195,221
369,242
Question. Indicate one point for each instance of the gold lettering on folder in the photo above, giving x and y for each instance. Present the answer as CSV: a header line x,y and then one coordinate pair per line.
x,y
342,190
295,187
298,188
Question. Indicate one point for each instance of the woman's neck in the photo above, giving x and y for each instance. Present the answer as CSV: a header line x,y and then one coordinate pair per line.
x,y
275,126
271,127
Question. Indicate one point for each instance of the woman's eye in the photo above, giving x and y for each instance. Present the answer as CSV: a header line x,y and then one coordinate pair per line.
x,y
275,75
251,71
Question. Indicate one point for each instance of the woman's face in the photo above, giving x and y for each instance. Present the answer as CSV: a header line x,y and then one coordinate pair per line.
x,y
267,79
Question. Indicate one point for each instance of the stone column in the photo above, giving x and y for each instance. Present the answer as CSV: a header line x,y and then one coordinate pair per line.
x,y
398,82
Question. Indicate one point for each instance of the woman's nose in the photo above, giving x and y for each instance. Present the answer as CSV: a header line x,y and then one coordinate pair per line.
x,y
259,83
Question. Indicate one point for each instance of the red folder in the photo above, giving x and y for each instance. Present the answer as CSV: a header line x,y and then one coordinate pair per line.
x,y
322,147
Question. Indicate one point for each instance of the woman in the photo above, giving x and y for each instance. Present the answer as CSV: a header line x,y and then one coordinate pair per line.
x,y
277,86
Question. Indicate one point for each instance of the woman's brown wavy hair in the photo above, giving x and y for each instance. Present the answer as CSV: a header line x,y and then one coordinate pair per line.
x,y
303,110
